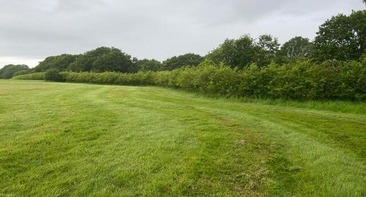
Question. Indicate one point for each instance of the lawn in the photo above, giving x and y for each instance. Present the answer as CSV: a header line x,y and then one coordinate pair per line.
x,y
62,139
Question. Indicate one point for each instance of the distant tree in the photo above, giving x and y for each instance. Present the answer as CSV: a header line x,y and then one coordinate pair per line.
x,y
245,51
148,65
103,59
296,48
268,43
113,60
9,71
189,59
268,48
341,38
85,61
59,62
225,52
236,53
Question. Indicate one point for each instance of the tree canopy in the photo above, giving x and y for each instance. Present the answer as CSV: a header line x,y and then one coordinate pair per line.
x,y
10,70
235,52
268,48
341,38
103,59
148,65
245,51
296,48
59,62
189,59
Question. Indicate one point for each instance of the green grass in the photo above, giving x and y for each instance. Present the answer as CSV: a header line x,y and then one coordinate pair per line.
x,y
60,139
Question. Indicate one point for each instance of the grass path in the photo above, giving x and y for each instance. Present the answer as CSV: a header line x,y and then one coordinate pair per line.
x,y
59,139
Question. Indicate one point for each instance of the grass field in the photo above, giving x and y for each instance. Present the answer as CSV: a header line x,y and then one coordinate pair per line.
x,y
60,139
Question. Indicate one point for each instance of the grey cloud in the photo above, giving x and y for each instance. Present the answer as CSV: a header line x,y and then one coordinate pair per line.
x,y
72,5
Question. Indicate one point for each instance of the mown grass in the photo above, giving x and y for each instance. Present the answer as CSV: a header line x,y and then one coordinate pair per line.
x,y
59,139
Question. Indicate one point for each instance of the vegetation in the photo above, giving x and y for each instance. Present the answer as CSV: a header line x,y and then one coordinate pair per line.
x,y
53,75
330,68
11,70
149,141
304,136
103,59
175,62
31,76
148,65
342,38
297,48
236,53
60,62
299,81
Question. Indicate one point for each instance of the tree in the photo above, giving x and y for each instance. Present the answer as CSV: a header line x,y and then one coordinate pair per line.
x,y
59,62
224,53
341,38
236,53
245,51
103,59
268,44
84,62
113,60
9,71
148,65
296,48
189,59
268,48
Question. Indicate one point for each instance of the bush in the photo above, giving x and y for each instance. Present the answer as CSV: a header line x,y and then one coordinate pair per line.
x,y
22,72
53,75
299,80
8,71
31,76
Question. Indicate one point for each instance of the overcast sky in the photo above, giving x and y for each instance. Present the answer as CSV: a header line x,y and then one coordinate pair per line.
x,y
31,30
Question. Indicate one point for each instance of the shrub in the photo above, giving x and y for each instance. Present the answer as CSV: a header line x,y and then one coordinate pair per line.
x,y
31,76
8,71
53,75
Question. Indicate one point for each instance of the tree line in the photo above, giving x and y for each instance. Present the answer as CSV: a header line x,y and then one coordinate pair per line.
x,y
341,38
340,43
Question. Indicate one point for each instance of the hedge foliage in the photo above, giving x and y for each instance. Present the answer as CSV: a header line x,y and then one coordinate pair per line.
x,y
31,76
300,81
53,75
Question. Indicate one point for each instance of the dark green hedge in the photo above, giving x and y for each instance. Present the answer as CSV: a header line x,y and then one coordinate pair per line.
x,y
299,81
53,75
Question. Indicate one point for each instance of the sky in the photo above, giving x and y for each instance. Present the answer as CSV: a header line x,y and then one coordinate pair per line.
x,y
31,30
